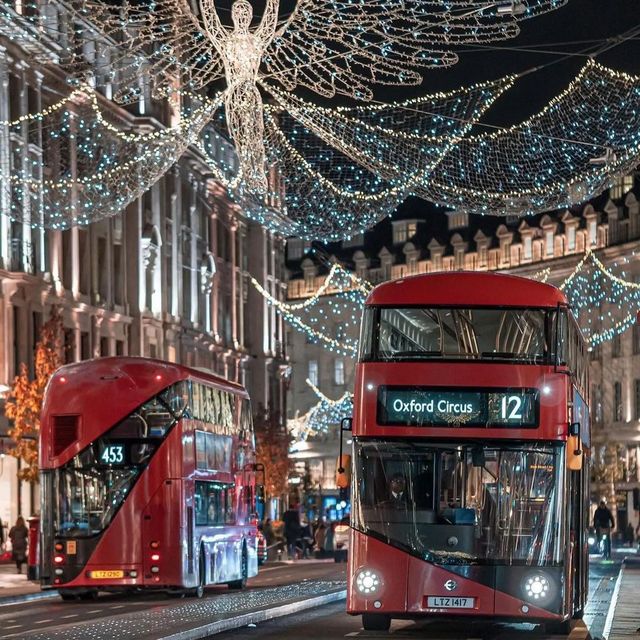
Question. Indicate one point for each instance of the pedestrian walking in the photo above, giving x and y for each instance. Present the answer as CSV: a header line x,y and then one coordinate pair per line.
x,y
19,535
291,519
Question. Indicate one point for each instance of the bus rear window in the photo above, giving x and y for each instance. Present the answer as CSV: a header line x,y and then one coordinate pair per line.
x,y
491,334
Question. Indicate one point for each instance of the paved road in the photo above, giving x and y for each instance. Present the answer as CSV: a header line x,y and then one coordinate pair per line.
x,y
24,618
331,622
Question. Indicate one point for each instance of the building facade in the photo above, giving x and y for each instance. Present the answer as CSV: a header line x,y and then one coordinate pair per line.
x,y
169,277
528,247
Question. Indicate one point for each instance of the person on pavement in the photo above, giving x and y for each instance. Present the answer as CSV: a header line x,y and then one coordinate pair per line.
x,y
291,519
19,535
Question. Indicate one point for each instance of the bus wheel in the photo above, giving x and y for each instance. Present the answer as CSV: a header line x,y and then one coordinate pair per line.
x,y
68,596
198,592
376,622
91,594
244,570
558,628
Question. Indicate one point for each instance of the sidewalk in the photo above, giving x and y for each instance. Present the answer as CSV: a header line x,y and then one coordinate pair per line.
x,y
625,622
13,584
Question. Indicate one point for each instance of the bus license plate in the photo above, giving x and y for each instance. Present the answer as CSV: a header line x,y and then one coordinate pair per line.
x,y
449,602
107,575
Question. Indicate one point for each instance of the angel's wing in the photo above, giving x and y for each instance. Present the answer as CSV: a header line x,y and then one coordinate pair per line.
x,y
162,38
346,46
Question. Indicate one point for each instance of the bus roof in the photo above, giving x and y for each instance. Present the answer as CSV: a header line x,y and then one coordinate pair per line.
x,y
105,390
466,288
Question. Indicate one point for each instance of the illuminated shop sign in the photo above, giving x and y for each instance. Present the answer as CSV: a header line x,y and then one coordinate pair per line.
x,y
424,407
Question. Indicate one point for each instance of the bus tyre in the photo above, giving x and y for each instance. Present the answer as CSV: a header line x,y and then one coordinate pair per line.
x,y
375,622
558,628
68,596
244,571
198,592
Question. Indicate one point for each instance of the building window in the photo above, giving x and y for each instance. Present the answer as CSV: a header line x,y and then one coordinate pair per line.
x,y
399,233
119,347
104,347
621,187
596,402
571,238
616,346
637,399
313,372
528,245
338,372
549,243
412,228
617,402
295,248
636,339
593,235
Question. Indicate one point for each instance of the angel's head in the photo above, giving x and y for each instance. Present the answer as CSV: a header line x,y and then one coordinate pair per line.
x,y
242,15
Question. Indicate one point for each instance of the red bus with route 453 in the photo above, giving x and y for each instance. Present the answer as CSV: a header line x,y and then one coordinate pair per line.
x,y
470,478
147,479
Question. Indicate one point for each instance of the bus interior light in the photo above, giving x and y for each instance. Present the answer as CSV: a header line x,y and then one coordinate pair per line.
x,y
367,581
591,540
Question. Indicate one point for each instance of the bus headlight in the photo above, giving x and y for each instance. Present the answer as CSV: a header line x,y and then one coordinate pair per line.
x,y
367,581
537,587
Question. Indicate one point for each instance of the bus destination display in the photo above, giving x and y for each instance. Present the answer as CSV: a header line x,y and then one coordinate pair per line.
x,y
420,406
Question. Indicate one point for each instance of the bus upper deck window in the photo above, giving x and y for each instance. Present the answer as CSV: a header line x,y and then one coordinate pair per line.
x,y
366,334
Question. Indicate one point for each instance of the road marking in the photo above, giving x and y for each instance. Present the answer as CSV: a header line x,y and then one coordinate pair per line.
x,y
14,626
608,623
43,621
95,611
71,615
120,606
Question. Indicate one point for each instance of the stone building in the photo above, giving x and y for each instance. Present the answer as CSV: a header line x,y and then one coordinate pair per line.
x,y
169,277
556,241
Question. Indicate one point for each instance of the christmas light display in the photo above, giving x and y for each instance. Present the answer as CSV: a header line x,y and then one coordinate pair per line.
x,y
324,414
569,152
328,46
95,168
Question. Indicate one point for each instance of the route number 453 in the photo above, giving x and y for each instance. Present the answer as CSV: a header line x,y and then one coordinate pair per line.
x,y
112,454
511,408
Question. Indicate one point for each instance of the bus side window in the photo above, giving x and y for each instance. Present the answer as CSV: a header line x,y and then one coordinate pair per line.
x,y
562,339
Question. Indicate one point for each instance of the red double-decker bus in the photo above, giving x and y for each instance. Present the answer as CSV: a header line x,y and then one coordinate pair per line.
x,y
147,479
470,480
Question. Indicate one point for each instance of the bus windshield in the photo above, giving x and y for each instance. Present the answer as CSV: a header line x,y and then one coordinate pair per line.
x,y
462,504
494,334
90,488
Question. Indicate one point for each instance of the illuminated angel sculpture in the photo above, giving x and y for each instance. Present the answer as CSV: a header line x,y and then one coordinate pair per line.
x,y
327,46
241,51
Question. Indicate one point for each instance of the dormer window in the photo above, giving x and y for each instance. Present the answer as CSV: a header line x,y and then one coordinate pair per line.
x,y
622,186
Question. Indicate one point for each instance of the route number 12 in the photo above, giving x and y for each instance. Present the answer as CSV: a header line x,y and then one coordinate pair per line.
x,y
511,408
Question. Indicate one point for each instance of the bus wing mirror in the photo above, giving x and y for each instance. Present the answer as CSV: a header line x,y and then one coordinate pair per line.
x,y
346,424
574,429
343,471
575,454
477,457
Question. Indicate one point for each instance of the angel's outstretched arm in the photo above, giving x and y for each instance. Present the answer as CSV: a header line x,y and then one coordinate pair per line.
x,y
212,24
267,28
